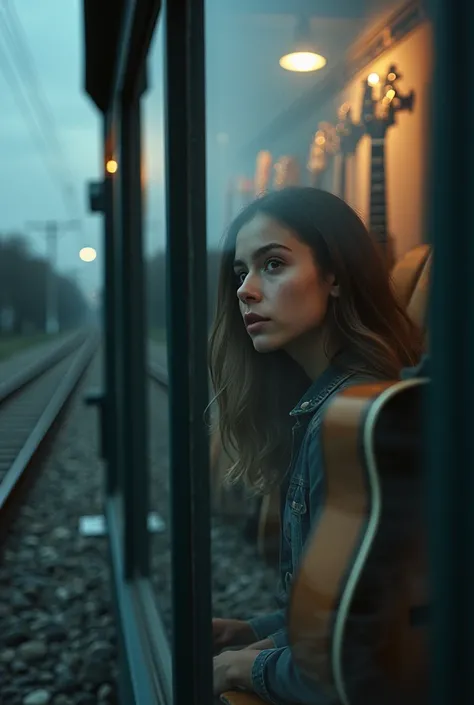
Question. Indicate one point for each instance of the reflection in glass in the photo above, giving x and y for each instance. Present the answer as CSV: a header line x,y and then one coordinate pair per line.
x,y
154,224
355,128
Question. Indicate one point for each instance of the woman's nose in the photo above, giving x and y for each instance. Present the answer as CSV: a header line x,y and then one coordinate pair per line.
x,y
248,291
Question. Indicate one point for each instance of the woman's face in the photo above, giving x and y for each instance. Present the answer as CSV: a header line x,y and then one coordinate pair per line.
x,y
283,296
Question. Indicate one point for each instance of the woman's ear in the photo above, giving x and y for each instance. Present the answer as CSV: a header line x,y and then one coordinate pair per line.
x,y
334,286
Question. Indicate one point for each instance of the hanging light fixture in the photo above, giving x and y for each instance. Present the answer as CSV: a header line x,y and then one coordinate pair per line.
x,y
304,57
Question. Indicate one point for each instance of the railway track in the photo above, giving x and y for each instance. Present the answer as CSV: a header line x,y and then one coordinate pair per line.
x,y
31,403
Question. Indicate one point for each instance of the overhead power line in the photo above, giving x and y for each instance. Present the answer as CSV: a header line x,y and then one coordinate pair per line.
x,y
19,69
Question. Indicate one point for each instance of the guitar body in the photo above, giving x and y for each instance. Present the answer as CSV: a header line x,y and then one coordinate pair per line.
x,y
358,604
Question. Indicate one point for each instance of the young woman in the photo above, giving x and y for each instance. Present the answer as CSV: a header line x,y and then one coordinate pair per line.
x,y
305,308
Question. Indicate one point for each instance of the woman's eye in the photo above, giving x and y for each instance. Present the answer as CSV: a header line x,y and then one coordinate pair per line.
x,y
273,264
270,265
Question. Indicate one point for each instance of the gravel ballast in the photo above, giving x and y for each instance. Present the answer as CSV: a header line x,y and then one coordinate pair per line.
x,y
57,628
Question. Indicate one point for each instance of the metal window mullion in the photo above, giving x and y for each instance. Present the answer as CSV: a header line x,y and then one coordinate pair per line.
x,y
187,349
450,475
111,346
201,505
116,150
135,461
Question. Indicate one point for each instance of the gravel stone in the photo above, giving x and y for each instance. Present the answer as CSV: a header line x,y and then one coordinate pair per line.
x,y
18,667
86,699
32,651
62,700
104,693
37,697
15,636
7,655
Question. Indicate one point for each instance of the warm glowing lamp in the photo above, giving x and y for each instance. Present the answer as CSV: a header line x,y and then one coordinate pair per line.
x,y
304,56
111,166
373,79
87,254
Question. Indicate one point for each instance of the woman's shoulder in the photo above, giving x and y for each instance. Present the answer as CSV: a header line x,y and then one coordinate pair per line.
x,y
351,379
311,458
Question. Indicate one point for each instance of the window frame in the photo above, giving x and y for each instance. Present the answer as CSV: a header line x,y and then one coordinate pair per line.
x,y
150,671
146,660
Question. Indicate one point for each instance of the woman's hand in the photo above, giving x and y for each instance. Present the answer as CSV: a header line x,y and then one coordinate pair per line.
x,y
231,632
233,669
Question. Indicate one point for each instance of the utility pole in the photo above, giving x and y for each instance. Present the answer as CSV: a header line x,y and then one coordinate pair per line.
x,y
51,230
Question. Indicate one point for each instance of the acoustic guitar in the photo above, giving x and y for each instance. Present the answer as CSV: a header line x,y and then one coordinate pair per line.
x,y
324,147
358,607
287,173
349,134
263,170
378,115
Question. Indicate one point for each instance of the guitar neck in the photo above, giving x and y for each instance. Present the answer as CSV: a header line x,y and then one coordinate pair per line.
x,y
378,209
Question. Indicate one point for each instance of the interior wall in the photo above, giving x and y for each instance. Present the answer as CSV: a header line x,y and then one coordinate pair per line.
x,y
407,142
406,147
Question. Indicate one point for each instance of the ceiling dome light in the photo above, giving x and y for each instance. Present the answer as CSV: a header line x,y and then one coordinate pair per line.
x,y
304,56
302,61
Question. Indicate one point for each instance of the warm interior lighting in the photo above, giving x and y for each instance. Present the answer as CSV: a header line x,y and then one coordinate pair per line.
x,y
302,61
320,139
303,55
111,166
87,254
373,79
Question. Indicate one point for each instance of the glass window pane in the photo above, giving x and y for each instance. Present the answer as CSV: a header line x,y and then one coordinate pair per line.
x,y
357,127
153,148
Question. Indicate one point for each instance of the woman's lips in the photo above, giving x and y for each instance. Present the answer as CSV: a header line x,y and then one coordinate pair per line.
x,y
255,323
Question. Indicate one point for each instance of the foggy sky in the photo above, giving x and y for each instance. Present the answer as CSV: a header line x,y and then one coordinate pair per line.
x,y
53,29
246,89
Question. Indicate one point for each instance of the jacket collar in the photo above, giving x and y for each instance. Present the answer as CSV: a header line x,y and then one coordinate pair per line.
x,y
337,372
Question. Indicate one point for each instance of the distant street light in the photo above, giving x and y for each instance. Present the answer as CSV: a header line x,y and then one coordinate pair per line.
x,y
87,254
111,166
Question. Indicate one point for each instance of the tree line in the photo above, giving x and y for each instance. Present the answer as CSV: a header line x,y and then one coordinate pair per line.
x,y
23,285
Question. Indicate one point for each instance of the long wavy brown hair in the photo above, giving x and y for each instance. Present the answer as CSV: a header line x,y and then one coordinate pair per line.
x,y
255,392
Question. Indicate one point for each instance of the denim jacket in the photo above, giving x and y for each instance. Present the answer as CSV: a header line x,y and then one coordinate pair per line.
x,y
275,676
